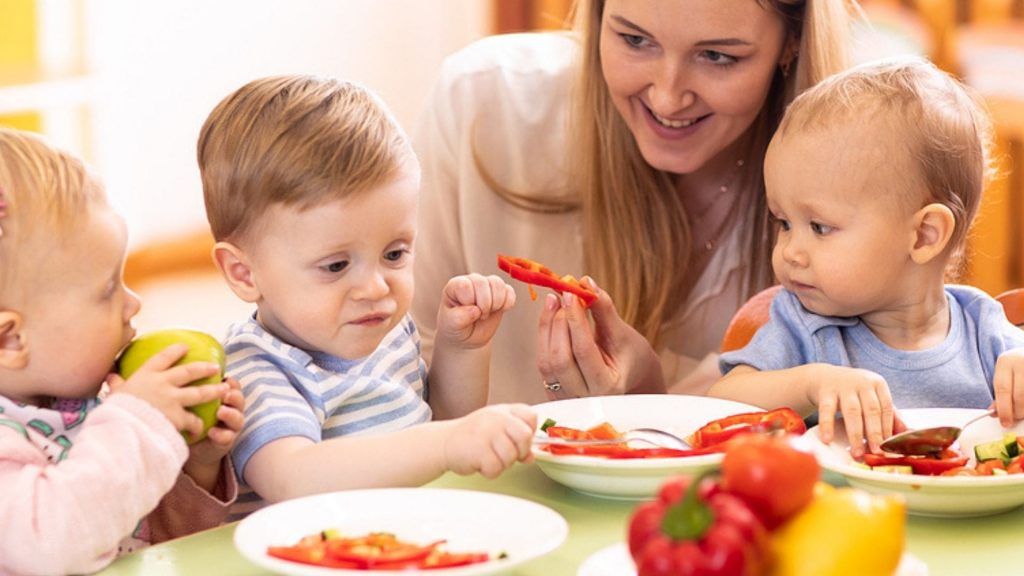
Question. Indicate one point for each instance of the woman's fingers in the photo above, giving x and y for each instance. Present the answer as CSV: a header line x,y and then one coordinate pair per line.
x,y
554,353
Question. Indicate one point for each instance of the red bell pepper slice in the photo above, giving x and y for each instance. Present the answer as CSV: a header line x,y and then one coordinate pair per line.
x,y
621,451
718,431
536,274
375,551
923,465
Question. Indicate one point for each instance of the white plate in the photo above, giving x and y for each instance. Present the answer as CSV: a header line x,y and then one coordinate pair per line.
x,y
630,479
933,495
465,518
614,560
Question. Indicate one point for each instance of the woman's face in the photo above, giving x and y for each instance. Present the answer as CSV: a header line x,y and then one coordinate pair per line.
x,y
688,76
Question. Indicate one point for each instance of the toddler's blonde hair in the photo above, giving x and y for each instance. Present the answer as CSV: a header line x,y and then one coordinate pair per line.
x,y
945,130
298,141
46,190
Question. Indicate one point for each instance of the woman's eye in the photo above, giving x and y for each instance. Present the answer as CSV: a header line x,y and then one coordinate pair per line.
x,y
633,40
820,229
719,58
335,267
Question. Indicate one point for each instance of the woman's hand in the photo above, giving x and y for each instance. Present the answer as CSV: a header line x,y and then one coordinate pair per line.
x,y
610,358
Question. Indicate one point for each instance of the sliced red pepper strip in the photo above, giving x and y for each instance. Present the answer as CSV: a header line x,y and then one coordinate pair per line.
x,y
605,431
526,270
718,431
924,465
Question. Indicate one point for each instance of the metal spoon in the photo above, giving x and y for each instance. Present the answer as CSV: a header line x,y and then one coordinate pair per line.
x,y
924,441
653,436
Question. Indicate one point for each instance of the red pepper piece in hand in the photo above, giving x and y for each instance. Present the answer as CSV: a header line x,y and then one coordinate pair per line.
x,y
536,274
718,431
707,532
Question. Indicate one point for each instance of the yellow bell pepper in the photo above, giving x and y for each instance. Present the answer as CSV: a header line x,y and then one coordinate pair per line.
x,y
842,532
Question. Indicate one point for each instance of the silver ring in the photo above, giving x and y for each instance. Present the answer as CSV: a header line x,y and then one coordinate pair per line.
x,y
553,386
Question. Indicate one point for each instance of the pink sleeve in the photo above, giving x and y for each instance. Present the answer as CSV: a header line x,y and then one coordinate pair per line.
x,y
69,517
187,508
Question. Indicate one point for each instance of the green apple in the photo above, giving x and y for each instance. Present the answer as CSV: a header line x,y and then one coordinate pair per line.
x,y
201,348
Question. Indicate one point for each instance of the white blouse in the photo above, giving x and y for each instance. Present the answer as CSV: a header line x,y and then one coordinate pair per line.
x,y
507,97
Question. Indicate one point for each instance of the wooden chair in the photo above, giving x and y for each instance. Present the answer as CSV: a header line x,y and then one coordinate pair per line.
x,y
1013,305
751,316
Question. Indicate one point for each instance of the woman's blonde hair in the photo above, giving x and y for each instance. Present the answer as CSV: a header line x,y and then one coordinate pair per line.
x,y
636,234
44,191
945,132
297,141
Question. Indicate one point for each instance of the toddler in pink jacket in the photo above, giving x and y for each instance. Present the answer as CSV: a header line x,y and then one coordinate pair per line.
x,y
84,479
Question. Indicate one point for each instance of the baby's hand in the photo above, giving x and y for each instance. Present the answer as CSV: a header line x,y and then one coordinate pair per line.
x,y
471,309
165,387
490,439
864,400
204,458
1008,383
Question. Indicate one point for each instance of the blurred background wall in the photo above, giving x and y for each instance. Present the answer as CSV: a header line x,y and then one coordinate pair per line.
x,y
128,85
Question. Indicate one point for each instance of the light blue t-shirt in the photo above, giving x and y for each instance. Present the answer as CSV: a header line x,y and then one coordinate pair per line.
x,y
955,373
293,392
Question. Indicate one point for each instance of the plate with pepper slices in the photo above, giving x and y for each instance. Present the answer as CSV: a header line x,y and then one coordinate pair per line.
x,y
399,529
634,471
932,486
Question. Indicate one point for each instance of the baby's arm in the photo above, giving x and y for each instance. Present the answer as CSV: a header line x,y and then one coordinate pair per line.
x,y
861,396
1008,384
207,486
470,311
69,517
488,441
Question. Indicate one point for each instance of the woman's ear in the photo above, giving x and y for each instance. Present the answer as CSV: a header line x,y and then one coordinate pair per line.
x,y
933,227
13,343
234,265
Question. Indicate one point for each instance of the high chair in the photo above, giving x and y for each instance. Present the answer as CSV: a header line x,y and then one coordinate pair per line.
x,y
1013,305
751,316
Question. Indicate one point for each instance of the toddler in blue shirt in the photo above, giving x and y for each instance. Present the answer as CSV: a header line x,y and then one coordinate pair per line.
x,y
873,178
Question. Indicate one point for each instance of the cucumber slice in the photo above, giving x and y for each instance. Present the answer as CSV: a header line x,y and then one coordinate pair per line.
x,y
990,451
1010,446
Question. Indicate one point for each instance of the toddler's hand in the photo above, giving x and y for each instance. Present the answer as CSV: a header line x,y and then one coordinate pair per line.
x,y
204,457
864,400
1008,383
491,439
165,387
221,437
471,309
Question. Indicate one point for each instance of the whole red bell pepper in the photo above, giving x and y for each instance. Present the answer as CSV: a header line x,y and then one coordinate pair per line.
x,y
537,274
718,431
696,528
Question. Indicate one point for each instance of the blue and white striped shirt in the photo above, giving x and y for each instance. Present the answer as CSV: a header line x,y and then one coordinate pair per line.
x,y
293,392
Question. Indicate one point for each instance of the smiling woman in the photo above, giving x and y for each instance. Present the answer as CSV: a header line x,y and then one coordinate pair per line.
x,y
629,150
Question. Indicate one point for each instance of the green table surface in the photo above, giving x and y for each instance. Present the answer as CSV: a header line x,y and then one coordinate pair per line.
x,y
986,546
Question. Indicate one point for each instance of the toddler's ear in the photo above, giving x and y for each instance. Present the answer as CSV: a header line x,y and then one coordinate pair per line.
x,y
933,227
235,267
13,343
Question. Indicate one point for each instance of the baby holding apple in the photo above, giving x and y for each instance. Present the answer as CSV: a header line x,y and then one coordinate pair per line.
x,y
86,478
311,192
873,179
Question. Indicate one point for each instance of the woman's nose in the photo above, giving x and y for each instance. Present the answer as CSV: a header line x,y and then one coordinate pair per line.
x,y
670,90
